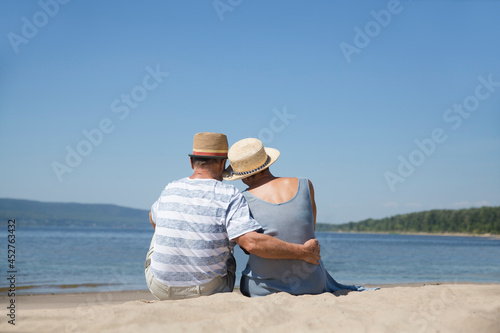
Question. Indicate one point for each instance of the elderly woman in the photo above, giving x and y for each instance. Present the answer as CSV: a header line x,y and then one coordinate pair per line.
x,y
285,208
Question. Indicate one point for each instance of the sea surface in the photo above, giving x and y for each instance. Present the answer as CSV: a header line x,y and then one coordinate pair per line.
x,y
69,259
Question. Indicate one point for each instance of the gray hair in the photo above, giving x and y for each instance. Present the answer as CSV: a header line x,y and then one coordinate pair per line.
x,y
202,162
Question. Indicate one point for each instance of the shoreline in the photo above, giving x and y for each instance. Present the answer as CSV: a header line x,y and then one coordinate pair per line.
x,y
420,307
455,234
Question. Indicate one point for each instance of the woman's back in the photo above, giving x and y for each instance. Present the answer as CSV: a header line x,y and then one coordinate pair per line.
x,y
276,191
283,209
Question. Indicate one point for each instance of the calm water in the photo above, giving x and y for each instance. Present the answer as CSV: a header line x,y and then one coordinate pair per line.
x,y
62,259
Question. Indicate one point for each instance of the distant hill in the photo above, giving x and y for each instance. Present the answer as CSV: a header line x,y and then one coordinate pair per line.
x,y
48,213
482,220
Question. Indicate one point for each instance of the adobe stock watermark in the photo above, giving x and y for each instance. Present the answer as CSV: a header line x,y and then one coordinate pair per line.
x,y
119,106
89,310
372,29
257,313
223,6
430,312
453,116
30,27
276,125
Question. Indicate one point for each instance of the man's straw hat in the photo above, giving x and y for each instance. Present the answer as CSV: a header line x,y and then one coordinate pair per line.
x,y
247,157
210,145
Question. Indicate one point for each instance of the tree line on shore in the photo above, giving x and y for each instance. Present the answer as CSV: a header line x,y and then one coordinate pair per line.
x,y
484,220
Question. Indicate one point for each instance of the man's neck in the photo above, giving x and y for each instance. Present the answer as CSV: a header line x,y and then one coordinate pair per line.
x,y
200,173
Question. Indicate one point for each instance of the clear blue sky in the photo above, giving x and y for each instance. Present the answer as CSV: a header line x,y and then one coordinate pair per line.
x,y
343,89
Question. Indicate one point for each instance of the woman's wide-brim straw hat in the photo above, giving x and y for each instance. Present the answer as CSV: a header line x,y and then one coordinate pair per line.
x,y
248,157
210,145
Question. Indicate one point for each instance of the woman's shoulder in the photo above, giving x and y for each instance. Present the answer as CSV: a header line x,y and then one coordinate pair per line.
x,y
289,179
294,180
285,182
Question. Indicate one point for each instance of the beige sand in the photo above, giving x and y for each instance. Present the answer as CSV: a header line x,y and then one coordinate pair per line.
x,y
418,308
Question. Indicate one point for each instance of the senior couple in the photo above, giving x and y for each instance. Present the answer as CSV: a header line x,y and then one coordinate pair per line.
x,y
199,219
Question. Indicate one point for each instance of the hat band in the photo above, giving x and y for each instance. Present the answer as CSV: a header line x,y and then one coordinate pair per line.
x,y
209,153
254,170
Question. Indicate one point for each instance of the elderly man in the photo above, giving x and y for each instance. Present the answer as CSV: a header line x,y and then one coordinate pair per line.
x,y
197,221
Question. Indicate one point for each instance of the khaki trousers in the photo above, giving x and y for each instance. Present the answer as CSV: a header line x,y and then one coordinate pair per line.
x,y
220,284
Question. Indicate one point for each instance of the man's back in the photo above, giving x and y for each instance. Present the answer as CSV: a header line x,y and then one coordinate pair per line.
x,y
195,218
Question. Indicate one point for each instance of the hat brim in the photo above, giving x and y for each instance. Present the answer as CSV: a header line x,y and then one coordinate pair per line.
x,y
209,156
273,154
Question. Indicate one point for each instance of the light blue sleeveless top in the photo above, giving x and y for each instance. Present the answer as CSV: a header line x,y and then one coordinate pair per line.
x,y
291,221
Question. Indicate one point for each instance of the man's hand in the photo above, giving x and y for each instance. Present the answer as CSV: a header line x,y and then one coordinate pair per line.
x,y
312,251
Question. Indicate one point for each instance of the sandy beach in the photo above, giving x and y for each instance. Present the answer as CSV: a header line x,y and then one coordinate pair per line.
x,y
405,308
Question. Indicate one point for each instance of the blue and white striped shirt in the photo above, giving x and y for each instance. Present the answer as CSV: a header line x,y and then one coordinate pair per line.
x,y
196,220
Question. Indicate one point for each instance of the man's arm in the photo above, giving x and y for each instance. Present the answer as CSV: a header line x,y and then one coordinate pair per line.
x,y
151,220
269,247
